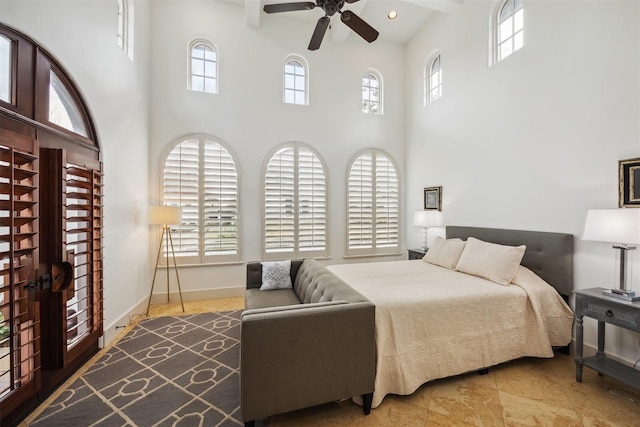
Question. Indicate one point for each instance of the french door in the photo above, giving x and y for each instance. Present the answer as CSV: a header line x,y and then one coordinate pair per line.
x,y
71,303
20,354
51,227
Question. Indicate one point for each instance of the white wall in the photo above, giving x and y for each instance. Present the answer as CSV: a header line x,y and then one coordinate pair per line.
x,y
248,113
529,143
82,37
533,141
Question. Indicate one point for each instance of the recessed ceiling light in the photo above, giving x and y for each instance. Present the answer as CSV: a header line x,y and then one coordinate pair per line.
x,y
392,15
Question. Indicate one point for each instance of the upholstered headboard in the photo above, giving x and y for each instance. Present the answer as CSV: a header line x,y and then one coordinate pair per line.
x,y
549,255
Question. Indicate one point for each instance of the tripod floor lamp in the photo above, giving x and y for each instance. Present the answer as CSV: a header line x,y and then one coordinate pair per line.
x,y
165,216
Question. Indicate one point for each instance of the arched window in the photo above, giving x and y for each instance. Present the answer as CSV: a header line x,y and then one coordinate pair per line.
x,y
509,29
435,79
374,205
371,93
295,203
200,176
6,77
295,81
126,27
63,109
203,67
52,225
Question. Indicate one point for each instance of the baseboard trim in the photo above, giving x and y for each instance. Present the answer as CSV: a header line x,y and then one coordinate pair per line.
x,y
112,330
198,295
588,350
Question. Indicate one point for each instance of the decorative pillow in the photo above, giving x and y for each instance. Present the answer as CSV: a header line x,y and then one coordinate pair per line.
x,y
491,261
444,253
276,275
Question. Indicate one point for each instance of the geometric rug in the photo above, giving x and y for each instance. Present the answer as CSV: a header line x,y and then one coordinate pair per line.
x,y
167,371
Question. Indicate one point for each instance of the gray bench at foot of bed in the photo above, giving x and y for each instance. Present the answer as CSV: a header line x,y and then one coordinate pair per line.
x,y
304,346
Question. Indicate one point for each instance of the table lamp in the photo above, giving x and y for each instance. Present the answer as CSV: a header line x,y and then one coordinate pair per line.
x,y
165,216
621,227
426,219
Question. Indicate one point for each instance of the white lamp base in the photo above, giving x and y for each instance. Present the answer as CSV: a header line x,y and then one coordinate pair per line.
x,y
424,238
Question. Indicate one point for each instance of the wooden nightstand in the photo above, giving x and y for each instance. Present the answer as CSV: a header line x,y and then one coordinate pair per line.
x,y
416,253
591,303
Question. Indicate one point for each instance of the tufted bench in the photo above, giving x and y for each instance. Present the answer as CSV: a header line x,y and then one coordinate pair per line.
x,y
304,346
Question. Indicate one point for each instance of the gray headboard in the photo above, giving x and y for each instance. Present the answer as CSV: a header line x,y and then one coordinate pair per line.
x,y
549,255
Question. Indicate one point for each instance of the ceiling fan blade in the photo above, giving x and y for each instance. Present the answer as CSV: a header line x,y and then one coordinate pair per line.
x,y
356,23
288,7
318,33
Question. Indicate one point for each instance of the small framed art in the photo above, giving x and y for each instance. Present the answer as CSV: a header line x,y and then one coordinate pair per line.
x,y
433,198
629,191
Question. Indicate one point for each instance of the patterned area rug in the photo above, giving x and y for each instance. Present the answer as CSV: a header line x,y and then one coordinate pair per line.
x,y
167,371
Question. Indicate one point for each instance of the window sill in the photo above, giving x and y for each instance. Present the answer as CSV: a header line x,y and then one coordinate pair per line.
x,y
372,255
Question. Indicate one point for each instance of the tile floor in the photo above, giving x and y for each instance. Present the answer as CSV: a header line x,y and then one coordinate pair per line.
x,y
525,392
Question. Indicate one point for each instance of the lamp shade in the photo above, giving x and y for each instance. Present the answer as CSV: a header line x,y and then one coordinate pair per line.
x,y
613,226
165,215
427,219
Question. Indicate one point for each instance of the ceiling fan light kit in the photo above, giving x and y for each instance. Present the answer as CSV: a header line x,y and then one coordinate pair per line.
x,y
330,8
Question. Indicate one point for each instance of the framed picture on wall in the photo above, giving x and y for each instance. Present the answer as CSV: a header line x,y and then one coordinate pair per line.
x,y
629,175
433,198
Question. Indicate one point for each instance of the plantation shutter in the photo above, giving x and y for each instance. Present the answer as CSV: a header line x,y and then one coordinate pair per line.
x,y
19,314
387,229
312,212
200,177
279,195
181,173
220,201
295,208
360,200
83,243
373,200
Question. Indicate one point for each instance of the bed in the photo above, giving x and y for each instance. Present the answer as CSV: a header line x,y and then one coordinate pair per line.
x,y
434,322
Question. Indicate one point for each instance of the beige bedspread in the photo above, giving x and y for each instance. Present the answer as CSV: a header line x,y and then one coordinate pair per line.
x,y
432,322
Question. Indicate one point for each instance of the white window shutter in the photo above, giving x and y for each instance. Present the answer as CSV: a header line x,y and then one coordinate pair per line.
x,y
279,202
312,212
360,201
200,177
373,200
220,203
387,228
295,208
181,174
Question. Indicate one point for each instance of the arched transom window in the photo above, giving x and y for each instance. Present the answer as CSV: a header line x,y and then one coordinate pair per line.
x,y
435,79
371,93
126,28
6,56
295,81
203,66
509,28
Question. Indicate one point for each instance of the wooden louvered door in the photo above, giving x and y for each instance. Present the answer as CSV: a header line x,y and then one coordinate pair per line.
x,y
50,227
73,303
19,323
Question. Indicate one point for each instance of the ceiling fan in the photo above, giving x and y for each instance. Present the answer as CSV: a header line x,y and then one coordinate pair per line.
x,y
330,7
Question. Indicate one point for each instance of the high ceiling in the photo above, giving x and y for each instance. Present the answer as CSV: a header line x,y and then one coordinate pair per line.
x,y
411,16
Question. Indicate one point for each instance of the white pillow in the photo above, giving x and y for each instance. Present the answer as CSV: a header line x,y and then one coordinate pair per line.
x,y
276,275
444,253
491,261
